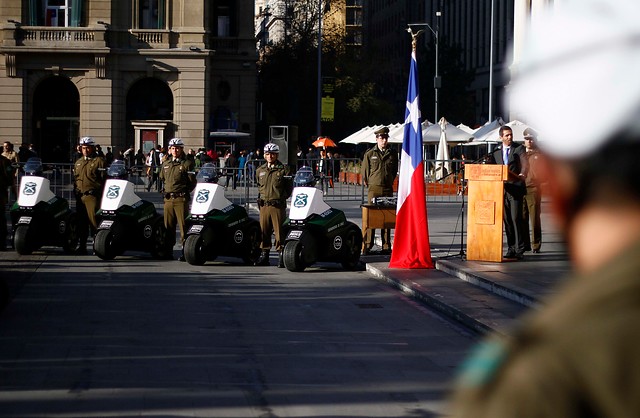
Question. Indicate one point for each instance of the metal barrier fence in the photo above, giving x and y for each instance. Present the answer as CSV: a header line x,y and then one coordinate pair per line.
x,y
340,180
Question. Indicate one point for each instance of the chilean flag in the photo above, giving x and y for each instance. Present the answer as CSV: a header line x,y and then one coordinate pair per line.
x,y
411,248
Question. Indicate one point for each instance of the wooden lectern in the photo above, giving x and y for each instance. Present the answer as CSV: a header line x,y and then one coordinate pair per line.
x,y
485,209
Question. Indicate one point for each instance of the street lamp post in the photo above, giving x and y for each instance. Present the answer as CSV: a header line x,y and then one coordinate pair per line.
x,y
319,86
437,80
491,62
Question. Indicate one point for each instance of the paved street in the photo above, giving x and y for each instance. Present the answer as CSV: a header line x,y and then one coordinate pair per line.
x,y
138,337
134,336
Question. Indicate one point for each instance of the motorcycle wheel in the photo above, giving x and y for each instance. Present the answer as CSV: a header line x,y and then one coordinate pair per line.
x,y
159,248
353,242
194,250
21,240
70,239
292,256
255,237
103,245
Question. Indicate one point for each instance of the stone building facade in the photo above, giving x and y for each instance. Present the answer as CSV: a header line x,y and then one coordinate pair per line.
x,y
127,73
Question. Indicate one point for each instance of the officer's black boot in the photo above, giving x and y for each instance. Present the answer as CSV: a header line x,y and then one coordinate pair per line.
x,y
280,260
263,260
82,248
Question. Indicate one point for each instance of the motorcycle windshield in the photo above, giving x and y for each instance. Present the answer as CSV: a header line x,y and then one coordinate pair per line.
x,y
33,167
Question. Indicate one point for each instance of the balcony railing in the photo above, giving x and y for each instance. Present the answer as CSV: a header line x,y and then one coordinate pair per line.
x,y
56,37
150,38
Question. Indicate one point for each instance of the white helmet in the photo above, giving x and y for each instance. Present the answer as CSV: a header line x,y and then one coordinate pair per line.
x,y
87,140
176,142
271,147
577,81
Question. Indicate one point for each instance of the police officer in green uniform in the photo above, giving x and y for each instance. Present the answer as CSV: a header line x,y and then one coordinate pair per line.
x,y
533,198
379,170
179,180
274,187
90,176
578,355
6,180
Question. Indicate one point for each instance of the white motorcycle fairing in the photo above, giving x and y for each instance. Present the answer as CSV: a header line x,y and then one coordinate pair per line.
x,y
306,201
207,197
118,193
33,190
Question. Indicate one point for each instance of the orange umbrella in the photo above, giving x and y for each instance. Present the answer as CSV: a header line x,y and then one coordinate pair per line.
x,y
324,142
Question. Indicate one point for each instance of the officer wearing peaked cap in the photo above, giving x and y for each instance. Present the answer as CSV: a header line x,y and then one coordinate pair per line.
x,y
90,176
379,170
577,356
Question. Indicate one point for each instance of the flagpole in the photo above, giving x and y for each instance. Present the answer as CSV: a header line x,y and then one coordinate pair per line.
x,y
411,249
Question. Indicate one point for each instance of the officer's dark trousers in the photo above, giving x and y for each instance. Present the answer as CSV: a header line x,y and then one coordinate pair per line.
x,y
531,213
514,225
385,234
271,219
86,208
175,213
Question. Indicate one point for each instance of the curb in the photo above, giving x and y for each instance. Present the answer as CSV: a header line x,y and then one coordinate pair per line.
x,y
471,276
450,305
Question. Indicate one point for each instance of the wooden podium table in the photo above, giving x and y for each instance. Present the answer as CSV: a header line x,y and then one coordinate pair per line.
x,y
377,217
485,211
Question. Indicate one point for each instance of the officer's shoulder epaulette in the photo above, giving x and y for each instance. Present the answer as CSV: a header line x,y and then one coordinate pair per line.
x,y
483,363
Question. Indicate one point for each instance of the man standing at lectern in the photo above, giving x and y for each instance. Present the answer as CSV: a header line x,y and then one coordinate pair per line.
x,y
513,156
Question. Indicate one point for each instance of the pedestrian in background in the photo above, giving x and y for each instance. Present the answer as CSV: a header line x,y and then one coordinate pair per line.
x,y
513,156
274,187
325,170
6,180
577,356
153,168
230,168
90,177
533,198
99,151
9,153
179,180
108,156
379,170
242,162
130,157
24,153
139,158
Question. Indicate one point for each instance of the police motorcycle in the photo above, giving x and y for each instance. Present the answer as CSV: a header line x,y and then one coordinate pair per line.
x,y
39,217
217,227
317,232
126,222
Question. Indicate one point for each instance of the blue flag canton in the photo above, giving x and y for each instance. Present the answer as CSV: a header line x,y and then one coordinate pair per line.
x,y
412,143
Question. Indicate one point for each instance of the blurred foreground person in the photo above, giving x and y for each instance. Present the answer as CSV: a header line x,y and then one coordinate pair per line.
x,y
577,356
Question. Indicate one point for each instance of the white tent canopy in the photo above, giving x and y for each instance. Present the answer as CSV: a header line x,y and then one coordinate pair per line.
x,y
516,126
466,128
453,134
363,135
396,136
487,133
366,134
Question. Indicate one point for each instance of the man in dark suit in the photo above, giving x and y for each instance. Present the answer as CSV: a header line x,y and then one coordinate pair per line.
x,y
515,188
